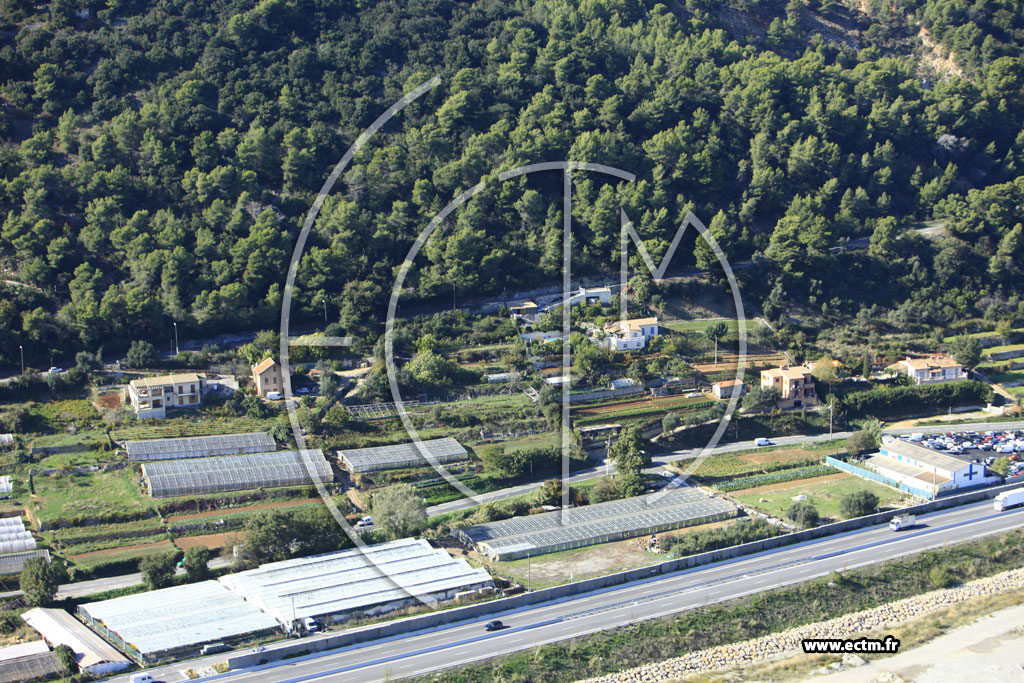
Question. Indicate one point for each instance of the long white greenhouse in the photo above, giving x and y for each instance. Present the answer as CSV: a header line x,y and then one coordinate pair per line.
x,y
371,581
167,478
199,446
172,622
616,520
401,455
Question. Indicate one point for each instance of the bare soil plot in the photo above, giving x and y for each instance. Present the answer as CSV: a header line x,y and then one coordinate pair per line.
x,y
779,456
211,541
142,548
795,484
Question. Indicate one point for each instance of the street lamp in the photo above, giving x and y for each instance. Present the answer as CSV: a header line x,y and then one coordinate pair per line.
x,y
175,338
324,302
22,349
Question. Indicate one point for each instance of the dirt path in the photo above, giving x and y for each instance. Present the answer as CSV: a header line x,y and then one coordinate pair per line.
x,y
220,513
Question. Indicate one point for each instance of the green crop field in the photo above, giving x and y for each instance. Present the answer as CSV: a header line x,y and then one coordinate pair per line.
x,y
68,495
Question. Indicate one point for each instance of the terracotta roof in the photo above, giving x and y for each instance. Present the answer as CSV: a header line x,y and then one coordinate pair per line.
x,y
797,372
268,362
634,324
728,383
931,362
165,379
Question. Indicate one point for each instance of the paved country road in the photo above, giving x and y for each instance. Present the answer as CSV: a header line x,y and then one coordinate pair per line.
x,y
675,456
455,644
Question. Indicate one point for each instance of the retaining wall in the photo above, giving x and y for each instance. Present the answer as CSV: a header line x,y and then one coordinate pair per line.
x,y
485,609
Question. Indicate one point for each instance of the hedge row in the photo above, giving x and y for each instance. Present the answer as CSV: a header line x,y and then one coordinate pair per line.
x,y
775,477
896,401
94,518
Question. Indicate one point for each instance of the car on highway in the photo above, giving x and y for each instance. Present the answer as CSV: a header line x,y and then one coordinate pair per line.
x,y
494,626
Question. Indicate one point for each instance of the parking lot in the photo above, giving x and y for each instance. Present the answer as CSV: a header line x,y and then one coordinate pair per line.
x,y
982,447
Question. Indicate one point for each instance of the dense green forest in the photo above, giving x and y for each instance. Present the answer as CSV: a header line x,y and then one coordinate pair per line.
x,y
159,157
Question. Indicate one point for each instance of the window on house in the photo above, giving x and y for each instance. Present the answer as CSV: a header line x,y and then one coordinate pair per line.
x,y
181,389
193,389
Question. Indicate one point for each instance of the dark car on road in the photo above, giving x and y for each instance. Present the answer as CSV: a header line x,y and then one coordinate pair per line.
x,y
494,626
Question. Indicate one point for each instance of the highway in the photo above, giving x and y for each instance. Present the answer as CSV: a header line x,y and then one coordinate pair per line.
x,y
453,645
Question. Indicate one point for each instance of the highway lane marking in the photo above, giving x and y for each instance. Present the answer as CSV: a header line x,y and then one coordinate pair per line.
x,y
454,630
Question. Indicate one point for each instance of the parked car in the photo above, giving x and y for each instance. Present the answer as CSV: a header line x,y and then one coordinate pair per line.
x,y
312,625
274,396
494,626
55,370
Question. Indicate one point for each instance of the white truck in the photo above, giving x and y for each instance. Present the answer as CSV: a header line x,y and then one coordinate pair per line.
x,y
1008,499
900,522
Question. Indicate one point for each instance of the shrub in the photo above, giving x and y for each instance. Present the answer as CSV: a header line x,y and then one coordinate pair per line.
x,y
804,514
893,401
941,577
858,504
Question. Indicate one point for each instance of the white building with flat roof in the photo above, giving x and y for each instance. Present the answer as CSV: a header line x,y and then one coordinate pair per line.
x,y
927,470
152,396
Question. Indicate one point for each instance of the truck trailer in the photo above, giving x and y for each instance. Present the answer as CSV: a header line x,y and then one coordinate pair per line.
x,y
1008,499
900,522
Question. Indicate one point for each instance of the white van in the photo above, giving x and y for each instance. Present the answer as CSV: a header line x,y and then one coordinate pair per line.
x,y
761,441
274,396
141,678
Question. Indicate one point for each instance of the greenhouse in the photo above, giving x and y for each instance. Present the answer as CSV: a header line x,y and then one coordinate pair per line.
x,y
402,455
167,478
13,563
175,622
550,532
199,446
369,581
5,485
14,538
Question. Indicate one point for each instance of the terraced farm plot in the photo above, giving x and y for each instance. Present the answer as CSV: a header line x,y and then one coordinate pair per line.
x,y
627,411
189,425
123,553
698,326
747,462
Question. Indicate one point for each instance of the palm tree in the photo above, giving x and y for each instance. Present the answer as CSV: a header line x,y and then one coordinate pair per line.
x,y
715,332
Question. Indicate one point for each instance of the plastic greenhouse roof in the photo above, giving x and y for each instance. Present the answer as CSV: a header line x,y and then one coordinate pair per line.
x,y
580,526
353,579
177,617
199,446
402,455
168,478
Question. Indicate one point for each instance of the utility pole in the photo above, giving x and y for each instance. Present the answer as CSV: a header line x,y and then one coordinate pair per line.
x,y
175,338
453,295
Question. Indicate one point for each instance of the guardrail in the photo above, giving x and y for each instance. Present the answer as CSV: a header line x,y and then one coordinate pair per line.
x,y
485,609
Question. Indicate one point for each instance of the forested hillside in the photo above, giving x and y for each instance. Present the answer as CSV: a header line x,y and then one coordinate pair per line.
x,y
159,157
